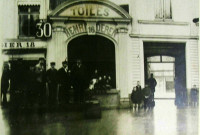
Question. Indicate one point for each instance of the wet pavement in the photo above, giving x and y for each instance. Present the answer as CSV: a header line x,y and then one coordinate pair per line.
x,y
165,119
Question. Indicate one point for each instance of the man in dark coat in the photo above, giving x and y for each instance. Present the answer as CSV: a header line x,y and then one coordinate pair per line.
x,y
5,83
194,96
79,81
40,76
146,95
31,90
152,84
52,83
64,82
139,93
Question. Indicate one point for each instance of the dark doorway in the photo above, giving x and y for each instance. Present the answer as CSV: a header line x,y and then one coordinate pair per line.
x,y
96,52
174,50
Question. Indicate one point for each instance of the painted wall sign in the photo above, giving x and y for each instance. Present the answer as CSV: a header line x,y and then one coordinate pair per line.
x,y
106,29
23,45
90,10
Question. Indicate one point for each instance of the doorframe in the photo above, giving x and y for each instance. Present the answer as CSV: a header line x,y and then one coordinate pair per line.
x,y
116,46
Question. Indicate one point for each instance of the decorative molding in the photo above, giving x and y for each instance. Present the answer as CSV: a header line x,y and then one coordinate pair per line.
x,y
58,29
28,2
70,3
163,36
120,20
161,22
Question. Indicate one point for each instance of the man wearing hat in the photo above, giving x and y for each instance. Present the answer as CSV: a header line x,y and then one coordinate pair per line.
x,y
64,83
40,86
52,83
80,83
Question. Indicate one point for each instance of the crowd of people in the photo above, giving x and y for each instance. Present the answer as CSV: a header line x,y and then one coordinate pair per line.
x,y
52,86
145,95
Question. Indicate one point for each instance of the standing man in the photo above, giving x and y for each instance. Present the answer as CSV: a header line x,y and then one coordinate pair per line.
x,y
64,83
52,82
40,84
5,83
31,90
152,84
79,81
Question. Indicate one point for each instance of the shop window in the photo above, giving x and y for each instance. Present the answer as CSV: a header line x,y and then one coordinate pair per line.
x,y
163,9
28,17
125,7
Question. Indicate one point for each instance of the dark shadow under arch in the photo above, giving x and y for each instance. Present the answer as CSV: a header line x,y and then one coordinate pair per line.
x,y
96,52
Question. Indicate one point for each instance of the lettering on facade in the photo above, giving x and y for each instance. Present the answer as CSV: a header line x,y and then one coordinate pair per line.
x,y
105,29
90,10
21,45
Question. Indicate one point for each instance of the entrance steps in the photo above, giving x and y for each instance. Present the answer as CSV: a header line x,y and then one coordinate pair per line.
x,y
109,100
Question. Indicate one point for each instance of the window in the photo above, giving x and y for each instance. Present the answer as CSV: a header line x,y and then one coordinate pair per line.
x,y
125,7
163,9
54,3
28,16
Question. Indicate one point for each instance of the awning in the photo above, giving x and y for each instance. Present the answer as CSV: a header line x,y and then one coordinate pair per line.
x,y
28,2
31,56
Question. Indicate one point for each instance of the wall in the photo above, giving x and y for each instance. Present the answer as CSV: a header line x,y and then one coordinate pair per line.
x,y
10,15
10,19
180,29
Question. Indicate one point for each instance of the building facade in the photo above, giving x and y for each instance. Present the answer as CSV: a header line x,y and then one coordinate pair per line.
x,y
127,40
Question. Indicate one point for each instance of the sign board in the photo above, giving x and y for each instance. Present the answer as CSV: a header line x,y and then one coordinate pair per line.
x,y
23,45
90,10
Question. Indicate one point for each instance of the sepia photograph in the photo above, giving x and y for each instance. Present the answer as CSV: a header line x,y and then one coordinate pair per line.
x,y
99,67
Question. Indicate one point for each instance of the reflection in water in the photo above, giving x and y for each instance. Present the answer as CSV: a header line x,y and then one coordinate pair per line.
x,y
165,119
4,128
182,122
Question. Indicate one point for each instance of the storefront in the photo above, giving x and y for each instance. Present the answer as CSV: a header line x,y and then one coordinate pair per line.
x,y
126,46
97,33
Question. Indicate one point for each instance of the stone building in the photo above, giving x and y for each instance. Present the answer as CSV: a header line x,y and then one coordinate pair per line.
x,y
126,39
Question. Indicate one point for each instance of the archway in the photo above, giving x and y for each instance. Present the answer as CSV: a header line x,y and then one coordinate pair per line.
x,y
96,52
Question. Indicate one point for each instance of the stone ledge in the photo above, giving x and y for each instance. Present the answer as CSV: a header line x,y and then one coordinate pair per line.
x,y
163,36
170,22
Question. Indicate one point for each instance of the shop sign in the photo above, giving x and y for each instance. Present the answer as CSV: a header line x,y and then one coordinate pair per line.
x,y
106,29
22,45
90,10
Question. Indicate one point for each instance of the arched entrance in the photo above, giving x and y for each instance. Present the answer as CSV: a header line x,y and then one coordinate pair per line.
x,y
92,17
96,52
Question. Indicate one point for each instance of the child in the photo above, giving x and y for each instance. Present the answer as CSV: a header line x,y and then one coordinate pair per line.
x,y
108,83
139,94
146,95
134,97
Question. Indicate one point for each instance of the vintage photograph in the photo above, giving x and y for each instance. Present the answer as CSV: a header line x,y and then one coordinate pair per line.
x,y
99,67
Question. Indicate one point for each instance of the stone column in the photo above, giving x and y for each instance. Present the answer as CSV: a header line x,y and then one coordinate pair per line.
x,y
122,64
57,48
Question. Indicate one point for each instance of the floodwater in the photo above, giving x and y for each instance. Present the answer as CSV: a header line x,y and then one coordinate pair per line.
x,y
164,119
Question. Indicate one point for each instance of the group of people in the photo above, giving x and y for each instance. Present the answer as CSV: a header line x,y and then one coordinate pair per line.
x,y
145,95
52,86
60,82
100,84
